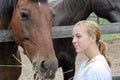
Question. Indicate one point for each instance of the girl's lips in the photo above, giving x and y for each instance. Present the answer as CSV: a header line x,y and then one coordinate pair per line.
x,y
75,46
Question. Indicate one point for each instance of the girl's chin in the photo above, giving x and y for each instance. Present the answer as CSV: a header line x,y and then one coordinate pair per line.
x,y
78,51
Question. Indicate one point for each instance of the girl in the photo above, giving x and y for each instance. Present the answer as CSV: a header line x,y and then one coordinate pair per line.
x,y
86,39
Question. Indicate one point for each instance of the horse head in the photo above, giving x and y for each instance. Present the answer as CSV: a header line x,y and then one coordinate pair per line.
x,y
31,27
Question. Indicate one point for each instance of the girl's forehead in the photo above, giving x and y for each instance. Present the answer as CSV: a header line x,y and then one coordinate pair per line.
x,y
78,29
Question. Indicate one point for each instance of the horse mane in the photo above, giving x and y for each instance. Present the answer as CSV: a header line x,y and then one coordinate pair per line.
x,y
6,8
73,5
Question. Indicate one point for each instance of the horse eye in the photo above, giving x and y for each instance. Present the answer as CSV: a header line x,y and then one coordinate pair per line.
x,y
24,16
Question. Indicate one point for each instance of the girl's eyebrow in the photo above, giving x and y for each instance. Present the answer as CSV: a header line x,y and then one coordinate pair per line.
x,y
76,34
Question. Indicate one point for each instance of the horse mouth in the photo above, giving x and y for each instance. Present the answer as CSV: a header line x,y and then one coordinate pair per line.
x,y
45,76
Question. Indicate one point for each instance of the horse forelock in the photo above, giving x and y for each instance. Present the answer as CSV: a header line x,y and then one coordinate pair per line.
x,y
6,8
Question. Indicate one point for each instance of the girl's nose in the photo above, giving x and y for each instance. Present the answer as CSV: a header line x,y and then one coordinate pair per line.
x,y
74,40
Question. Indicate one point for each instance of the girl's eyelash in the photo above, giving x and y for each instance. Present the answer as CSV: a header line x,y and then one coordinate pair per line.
x,y
78,36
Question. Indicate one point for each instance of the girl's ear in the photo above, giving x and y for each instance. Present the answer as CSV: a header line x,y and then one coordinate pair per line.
x,y
93,38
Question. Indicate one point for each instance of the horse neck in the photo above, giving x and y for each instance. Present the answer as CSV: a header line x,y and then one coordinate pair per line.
x,y
72,11
73,6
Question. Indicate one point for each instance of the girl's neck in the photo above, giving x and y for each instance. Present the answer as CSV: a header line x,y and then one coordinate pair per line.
x,y
92,52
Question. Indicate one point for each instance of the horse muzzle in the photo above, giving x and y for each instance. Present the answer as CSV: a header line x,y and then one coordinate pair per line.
x,y
45,70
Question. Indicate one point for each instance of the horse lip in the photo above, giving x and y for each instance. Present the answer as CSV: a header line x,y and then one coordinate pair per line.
x,y
49,74
43,74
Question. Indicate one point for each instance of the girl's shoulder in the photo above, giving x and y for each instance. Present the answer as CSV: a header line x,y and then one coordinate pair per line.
x,y
100,67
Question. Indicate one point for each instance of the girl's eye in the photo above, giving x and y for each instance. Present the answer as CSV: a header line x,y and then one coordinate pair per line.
x,y
78,36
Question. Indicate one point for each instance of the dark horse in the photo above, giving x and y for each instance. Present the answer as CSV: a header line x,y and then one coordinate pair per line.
x,y
68,12
71,11
30,21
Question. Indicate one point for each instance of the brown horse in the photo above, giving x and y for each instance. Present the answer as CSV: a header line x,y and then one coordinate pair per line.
x,y
30,21
68,12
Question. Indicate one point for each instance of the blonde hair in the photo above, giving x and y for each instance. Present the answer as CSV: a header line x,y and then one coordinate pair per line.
x,y
93,28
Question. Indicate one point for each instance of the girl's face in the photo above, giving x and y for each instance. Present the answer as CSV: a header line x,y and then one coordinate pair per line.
x,y
81,40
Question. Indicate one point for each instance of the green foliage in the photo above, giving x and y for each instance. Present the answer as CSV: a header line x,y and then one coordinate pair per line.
x,y
98,20
110,36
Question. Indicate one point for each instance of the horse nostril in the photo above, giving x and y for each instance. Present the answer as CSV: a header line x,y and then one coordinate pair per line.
x,y
47,69
43,66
